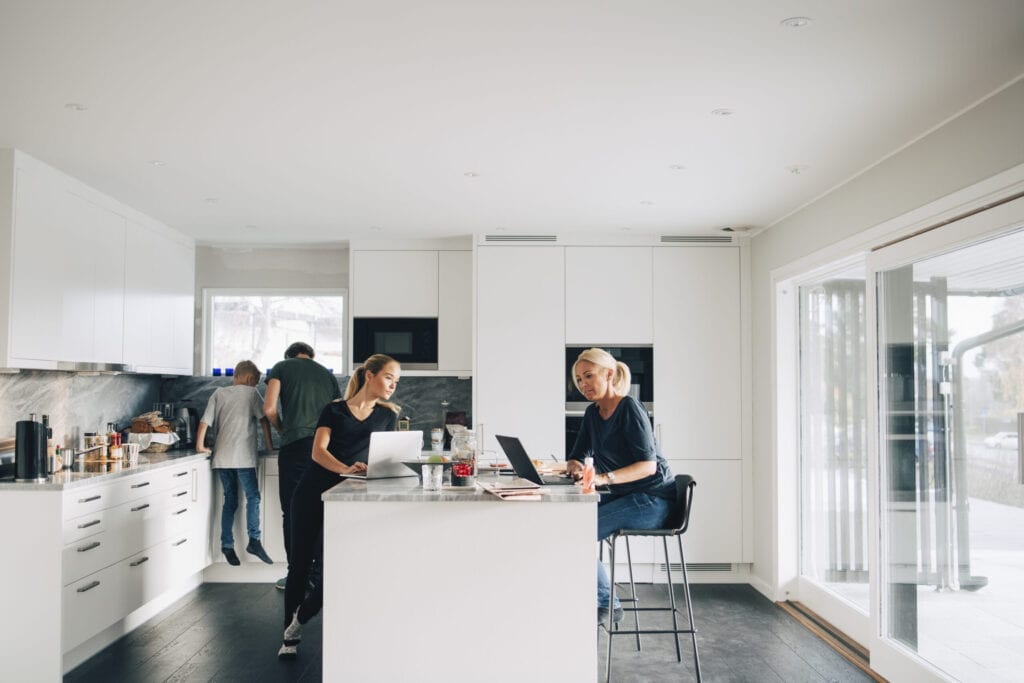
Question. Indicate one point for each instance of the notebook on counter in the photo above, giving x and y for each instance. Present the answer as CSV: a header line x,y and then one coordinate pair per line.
x,y
523,465
387,451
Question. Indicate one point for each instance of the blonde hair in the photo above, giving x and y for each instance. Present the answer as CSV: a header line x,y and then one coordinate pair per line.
x,y
246,370
605,360
374,364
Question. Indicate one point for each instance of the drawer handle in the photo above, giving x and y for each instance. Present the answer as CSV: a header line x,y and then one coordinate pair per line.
x,y
179,512
88,588
136,563
139,486
179,542
89,524
179,494
90,499
141,507
181,474
87,548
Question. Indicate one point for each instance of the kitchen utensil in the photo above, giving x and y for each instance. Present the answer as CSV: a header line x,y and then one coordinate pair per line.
x,y
30,451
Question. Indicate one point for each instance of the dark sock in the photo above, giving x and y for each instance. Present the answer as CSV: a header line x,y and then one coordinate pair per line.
x,y
232,558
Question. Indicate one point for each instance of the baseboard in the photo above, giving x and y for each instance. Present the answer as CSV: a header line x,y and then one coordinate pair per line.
x,y
849,649
762,587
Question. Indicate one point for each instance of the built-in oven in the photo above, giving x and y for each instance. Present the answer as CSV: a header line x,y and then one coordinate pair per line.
x,y
640,361
410,341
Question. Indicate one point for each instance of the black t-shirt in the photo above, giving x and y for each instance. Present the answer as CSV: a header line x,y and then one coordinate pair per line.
x,y
623,439
350,438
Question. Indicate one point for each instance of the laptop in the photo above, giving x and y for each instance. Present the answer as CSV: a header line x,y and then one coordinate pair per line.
x,y
523,465
387,451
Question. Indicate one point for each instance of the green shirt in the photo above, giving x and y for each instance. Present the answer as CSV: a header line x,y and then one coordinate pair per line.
x,y
306,387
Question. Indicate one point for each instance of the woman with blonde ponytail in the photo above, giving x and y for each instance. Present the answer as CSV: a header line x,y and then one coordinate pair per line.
x,y
616,432
340,446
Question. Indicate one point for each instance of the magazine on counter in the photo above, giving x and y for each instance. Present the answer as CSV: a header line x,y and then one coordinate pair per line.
x,y
520,490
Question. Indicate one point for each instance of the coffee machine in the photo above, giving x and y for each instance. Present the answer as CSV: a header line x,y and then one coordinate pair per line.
x,y
186,426
30,450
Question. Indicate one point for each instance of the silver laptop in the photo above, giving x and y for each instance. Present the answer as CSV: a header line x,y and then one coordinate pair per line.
x,y
387,451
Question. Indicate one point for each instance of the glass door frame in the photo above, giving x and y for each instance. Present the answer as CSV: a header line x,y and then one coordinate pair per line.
x,y
889,657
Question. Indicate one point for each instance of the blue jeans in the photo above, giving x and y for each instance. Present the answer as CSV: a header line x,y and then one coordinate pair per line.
x,y
229,478
635,511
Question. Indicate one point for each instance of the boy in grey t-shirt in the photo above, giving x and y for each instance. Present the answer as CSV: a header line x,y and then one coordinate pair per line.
x,y
234,411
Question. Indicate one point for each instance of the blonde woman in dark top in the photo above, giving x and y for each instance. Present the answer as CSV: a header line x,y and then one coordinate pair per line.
x,y
340,446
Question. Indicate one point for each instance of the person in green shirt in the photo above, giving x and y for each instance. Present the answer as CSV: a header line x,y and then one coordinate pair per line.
x,y
303,388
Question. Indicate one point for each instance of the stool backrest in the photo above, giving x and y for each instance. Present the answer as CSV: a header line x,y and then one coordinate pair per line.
x,y
679,518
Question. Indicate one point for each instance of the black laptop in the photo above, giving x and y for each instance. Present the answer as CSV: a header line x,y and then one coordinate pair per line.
x,y
523,466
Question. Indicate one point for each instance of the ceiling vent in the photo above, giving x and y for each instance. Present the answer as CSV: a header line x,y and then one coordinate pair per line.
x,y
521,238
697,239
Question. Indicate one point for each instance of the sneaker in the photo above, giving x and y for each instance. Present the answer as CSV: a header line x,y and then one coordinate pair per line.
x,y
232,558
293,631
256,548
288,651
602,615
281,584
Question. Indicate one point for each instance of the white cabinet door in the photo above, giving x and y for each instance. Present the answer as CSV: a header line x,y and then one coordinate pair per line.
x,y
455,310
394,284
608,295
40,262
697,347
102,244
159,301
520,346
715,533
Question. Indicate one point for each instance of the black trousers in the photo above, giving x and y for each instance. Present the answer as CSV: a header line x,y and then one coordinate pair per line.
x,y
293,460
307,534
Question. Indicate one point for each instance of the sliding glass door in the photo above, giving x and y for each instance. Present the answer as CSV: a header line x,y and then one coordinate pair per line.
x,y
949,307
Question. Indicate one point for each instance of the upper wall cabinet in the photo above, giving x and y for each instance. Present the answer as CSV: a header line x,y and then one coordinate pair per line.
x,y
455,311
608,295
67,278
399,284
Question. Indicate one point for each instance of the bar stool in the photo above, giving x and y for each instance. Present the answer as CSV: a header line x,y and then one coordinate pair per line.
x,y
675,525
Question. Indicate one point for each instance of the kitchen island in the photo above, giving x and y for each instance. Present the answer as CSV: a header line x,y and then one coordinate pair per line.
x,y
458,585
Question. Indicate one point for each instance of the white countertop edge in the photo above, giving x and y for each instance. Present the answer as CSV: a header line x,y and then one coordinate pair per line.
x,y
64,480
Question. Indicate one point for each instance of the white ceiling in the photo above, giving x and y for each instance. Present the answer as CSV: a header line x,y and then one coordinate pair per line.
x,y
311,122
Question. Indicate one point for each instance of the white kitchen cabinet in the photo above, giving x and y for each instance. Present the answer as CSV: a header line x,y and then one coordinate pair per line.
x,y
70,290
394,284
715,534
608,295
91,556
697,352
520,346
455,311
273,517
159,300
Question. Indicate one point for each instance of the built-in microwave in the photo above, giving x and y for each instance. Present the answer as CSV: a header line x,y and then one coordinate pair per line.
x,y
410,341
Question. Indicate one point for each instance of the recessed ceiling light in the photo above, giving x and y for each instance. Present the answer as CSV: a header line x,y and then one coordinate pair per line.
x,y
677,167
647,202
250,226
471,174
212,200
797,169
625,229
735,228
75,106
796,22
157,162
375,228
721,112
501,229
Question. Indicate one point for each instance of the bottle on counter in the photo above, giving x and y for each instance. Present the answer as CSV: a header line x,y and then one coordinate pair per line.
x,y
113,441
588,475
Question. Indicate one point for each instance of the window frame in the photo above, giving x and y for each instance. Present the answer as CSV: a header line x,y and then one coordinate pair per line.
x,y
207,323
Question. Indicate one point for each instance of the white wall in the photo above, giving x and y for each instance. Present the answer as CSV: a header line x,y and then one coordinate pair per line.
x,y
980,143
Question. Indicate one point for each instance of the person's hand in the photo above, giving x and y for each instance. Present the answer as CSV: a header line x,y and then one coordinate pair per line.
x,y
574,468
355,468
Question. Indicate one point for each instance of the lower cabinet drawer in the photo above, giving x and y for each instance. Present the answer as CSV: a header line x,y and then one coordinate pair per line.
x,y
146,575
88,555
91,604
86,525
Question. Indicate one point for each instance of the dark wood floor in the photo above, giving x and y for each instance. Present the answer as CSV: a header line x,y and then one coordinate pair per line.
x,y
231,632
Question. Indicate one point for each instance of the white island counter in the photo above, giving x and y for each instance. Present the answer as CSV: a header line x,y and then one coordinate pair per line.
x,y
458,586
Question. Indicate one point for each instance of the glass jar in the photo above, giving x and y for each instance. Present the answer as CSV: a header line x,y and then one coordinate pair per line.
x,y
463,454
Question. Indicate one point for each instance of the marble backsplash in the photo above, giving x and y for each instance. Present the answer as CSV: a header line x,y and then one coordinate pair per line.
x,y
419,397
75,402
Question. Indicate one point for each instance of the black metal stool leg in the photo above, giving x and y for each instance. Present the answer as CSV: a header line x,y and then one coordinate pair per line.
x,y
632,593
689,609
672,597
611,609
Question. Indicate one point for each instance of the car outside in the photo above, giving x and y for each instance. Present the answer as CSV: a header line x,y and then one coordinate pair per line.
x,y
1002,440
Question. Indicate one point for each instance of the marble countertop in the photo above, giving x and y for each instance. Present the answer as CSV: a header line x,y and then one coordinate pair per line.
x,y
408,489
96,473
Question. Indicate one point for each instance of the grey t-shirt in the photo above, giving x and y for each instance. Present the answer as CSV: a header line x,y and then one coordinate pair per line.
x,y
234,412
